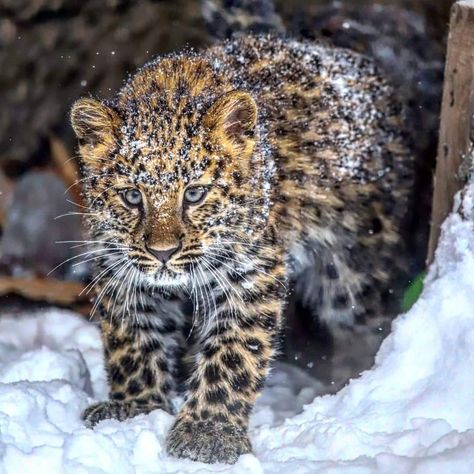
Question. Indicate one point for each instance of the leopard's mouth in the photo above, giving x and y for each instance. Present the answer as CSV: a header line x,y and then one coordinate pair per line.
x,y
166,276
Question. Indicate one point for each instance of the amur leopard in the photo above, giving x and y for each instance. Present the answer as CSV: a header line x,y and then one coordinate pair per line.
x,y
218,182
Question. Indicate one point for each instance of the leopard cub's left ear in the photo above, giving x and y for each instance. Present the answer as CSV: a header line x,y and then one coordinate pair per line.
x,y
96,125
93,121
232,118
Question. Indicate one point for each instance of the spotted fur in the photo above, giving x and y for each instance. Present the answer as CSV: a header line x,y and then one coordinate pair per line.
x,y
302,152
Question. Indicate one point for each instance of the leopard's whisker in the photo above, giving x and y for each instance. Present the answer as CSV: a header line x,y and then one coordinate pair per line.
x,y
207,293
106,286
71,214
215,257
194,298
117,289
82,243
129,278
136,276
254,268
258,270
102,274
97,257
113,289
89,252
226,288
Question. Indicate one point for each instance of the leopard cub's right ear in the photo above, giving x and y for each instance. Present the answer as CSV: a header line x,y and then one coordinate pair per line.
x,y
93,122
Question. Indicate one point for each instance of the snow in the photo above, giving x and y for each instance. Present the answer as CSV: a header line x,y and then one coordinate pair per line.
x,y
412,413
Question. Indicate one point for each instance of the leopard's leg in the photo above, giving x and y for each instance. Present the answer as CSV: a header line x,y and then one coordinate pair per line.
x,y
142,354
230,369
353,291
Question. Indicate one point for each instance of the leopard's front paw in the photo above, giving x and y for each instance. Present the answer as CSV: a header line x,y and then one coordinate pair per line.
x,y
104,411
207,442
116,410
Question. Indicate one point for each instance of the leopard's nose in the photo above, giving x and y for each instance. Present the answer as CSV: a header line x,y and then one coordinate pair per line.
x,y
163,255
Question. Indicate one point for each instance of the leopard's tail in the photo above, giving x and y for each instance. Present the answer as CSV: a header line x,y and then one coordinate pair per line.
x,y
225,18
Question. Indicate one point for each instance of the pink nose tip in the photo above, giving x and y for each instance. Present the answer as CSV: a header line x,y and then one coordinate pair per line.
x,y
164,255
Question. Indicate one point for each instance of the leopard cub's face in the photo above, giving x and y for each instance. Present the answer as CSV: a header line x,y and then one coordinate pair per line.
x,y
165,185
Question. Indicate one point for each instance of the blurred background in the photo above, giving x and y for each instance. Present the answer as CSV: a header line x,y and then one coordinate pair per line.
x,y
54,51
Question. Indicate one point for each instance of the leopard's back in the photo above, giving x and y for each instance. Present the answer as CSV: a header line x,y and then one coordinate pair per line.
x,y
343,191
344,170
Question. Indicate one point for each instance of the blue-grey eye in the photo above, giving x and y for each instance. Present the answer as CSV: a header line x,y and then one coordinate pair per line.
x,y
195,194
132,197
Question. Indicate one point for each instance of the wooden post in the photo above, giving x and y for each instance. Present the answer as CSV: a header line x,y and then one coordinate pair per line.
x,y
456,129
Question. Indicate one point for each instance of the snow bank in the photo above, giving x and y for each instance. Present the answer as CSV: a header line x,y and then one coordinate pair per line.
x,y
412,413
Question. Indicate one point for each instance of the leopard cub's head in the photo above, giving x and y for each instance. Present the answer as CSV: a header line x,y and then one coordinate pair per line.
x,y
168,170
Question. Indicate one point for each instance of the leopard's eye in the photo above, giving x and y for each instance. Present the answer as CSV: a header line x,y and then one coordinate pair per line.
x,y
195,194
132,197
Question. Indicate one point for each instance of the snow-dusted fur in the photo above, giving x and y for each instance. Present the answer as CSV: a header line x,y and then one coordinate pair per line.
x,y
222,179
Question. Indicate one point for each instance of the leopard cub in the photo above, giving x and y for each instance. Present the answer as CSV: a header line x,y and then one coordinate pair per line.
x,y
215,181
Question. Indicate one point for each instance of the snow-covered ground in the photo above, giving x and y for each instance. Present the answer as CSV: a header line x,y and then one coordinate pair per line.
x,y
412,413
